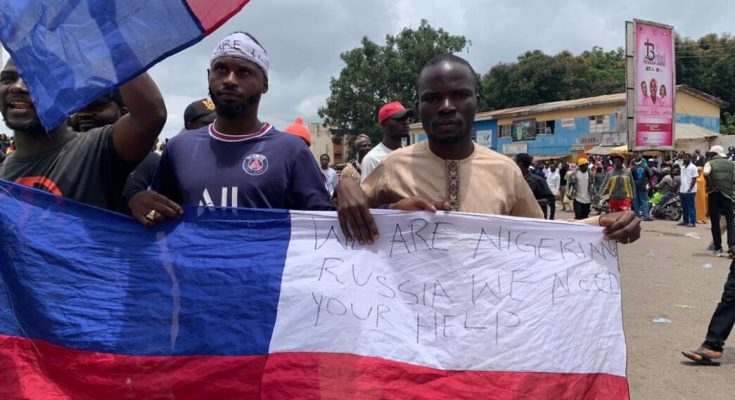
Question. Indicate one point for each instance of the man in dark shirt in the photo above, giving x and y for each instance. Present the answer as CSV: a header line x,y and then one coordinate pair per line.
x,y
107,110
89,167
199,114
538,185
239,161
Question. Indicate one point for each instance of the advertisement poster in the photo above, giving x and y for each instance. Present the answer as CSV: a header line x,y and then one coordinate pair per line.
x,y
654,59
485,138
523,130
510,149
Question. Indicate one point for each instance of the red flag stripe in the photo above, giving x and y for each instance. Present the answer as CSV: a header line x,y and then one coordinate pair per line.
x,y
212,14
38,370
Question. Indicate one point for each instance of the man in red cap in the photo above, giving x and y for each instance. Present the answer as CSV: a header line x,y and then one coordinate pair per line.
x,y
393,118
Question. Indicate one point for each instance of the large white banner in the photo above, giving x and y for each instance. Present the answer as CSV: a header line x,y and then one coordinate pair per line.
x,y
455,291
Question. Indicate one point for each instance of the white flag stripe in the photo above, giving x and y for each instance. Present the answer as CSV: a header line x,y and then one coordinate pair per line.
x,y
455,292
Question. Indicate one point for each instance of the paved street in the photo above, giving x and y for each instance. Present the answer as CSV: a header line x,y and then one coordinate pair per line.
x,y
664,277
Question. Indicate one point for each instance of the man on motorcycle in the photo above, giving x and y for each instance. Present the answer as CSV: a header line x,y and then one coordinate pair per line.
x,y
667,187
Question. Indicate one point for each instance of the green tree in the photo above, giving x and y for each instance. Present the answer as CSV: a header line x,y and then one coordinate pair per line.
x,y
727,124
540,78
605,71
708,64
374,75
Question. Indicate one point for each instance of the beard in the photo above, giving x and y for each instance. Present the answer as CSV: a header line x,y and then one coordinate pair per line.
x,y
229,110
34,126
453,139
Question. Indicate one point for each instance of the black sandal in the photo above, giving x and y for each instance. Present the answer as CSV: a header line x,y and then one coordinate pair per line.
x,y
703,358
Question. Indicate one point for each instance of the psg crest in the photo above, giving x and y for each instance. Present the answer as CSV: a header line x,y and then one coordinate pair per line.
x,y
255,164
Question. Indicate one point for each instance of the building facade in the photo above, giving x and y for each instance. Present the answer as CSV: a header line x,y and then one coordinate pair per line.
x,y
571,128
321,141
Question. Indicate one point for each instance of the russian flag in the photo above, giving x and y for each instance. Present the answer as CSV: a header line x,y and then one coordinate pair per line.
x,y
69,52
269,304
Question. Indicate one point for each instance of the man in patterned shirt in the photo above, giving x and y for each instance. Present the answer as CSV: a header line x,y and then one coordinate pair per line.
x,y
449,171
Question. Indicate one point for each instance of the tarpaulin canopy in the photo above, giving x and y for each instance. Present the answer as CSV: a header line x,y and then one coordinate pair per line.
x,y
693,132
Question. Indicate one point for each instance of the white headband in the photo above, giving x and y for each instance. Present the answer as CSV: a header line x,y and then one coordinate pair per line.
x,y
240,45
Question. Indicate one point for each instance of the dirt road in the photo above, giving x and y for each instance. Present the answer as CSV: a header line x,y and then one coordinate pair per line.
x,y
664,278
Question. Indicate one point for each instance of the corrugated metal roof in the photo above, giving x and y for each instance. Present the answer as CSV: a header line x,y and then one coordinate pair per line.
x,y
587,102
683,132
693,132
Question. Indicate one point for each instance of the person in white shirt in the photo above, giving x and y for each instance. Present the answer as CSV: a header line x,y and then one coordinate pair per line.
x,y
687,191
580,189
553,179
330,175
393,118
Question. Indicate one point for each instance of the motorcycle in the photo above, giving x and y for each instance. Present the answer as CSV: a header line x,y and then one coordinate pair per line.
x,y
669,209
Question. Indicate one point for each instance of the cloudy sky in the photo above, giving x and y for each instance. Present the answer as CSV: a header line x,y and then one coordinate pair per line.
x,y
304,39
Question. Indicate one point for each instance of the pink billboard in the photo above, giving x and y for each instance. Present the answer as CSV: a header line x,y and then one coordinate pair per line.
x,y
654,86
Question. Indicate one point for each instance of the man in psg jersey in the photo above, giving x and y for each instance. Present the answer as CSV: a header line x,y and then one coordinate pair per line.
x,y
238,161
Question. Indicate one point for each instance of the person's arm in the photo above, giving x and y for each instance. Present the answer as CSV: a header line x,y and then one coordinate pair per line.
x,y
622,226
629,186
135,133
544,191
162,199
708,169
335,181
693,174
354,214
604,186
354,203
570,184
165,180
139,180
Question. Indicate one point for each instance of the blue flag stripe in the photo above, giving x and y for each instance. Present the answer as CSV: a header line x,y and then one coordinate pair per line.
x,y
88,279
120,39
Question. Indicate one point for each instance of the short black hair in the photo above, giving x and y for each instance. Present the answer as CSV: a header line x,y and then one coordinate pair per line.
x,y
325,155
524,159
448,58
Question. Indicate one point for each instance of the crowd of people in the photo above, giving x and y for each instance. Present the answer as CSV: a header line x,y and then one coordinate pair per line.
x,y
7,146
619,182
108,155
704,182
